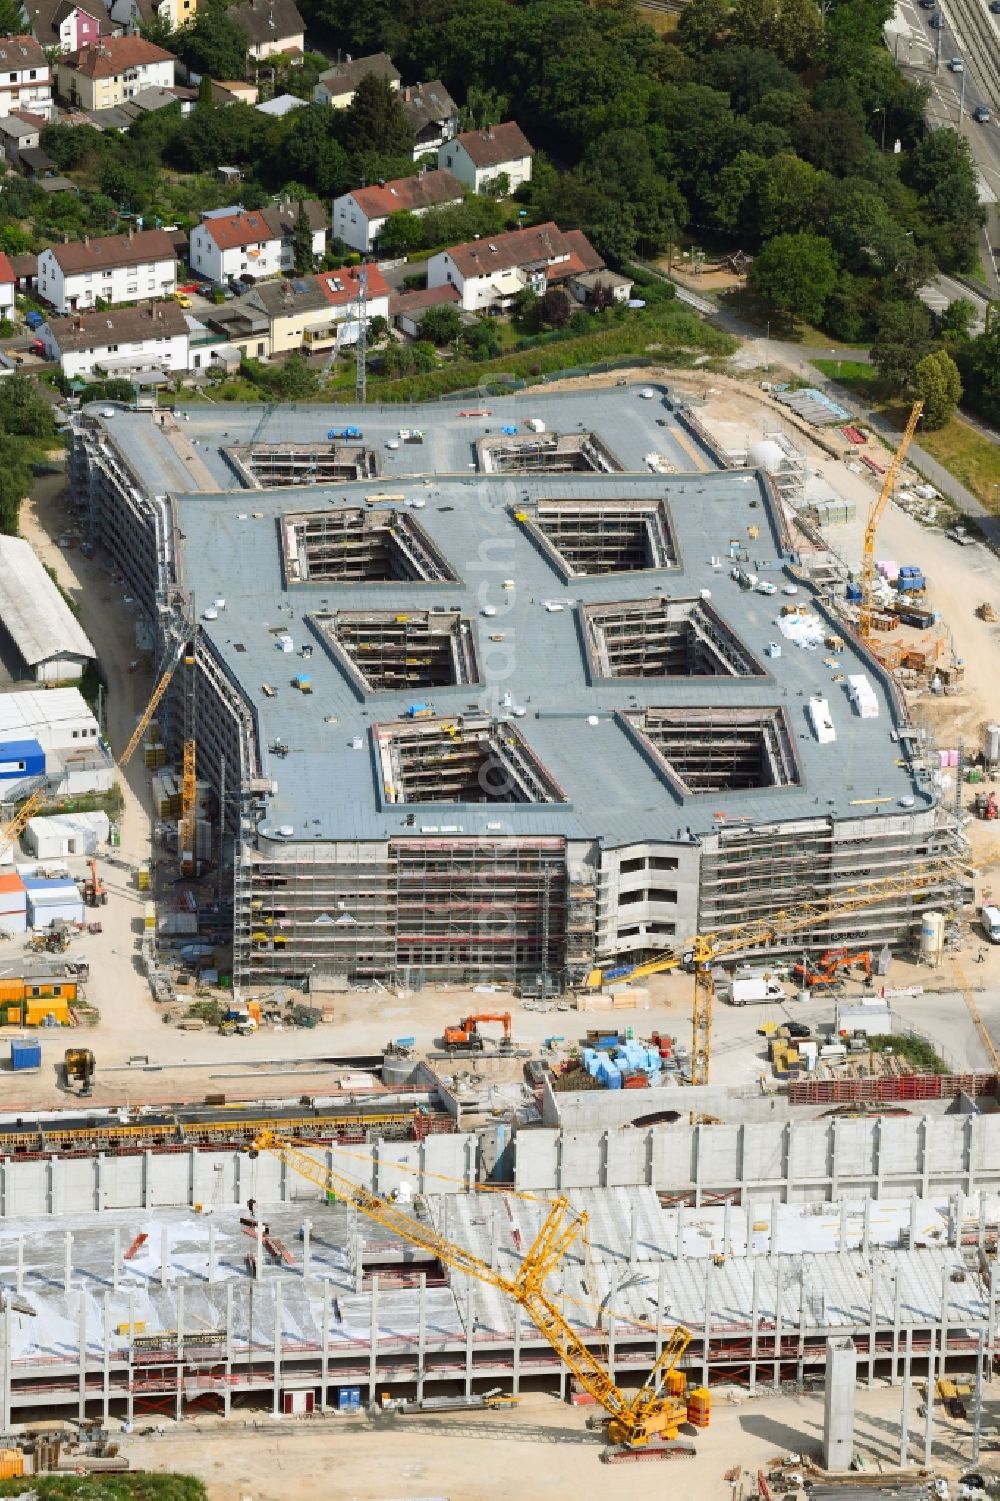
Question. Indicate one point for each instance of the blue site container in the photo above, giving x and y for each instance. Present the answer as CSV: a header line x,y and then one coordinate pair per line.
x,y
25,1053
348,1398
21,758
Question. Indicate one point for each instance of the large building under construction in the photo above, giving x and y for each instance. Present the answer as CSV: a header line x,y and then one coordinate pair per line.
x,y
499,694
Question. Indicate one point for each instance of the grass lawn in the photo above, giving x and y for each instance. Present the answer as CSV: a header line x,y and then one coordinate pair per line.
x,y
743,303
970,457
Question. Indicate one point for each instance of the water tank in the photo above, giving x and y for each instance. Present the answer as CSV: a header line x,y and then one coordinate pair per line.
x,y
993,743
932,938
396,1070
766,455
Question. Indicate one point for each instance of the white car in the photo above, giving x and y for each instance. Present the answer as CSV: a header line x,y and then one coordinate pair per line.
x,y
956,65
763,587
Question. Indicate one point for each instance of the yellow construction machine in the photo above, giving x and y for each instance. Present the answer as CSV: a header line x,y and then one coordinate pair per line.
x,y
639,1425
79,1066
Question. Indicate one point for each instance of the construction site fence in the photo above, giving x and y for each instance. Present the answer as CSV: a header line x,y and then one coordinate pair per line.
x,y
874,1091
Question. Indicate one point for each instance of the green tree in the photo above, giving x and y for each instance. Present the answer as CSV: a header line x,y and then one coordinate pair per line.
x,y
23,411
905,333
937,383
294,381
206,99
982,373
441,324
374,120
213,44
15,482
702,25
402,233
795,274
957,319
942,172
11,20
308,150
303,256
555,308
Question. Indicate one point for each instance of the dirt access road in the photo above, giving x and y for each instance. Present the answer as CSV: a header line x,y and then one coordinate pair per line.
x,y
541,1446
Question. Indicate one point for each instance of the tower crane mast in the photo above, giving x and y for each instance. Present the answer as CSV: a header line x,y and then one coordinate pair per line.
x,y
874,517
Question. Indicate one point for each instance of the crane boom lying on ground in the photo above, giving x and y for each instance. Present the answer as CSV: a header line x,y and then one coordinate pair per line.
x,y
702,951
634,1422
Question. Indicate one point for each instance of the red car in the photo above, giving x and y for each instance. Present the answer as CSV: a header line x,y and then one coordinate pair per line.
x,y
192,286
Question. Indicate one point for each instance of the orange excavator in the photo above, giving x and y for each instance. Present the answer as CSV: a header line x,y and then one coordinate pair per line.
x,y
94,891
829,965
467,1034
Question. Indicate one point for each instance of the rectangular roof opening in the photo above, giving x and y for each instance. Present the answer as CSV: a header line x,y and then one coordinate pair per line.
x,y
465,759
354,544
386,650
723,749
663,638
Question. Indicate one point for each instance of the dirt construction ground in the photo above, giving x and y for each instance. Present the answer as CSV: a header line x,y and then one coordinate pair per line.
x,y
541,1447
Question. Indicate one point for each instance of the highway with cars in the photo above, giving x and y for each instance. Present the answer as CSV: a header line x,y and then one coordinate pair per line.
x,y
954,46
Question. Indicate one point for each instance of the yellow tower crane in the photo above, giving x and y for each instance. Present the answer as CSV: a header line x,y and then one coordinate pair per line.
x,y
647,1422
182,649
702,951
874,517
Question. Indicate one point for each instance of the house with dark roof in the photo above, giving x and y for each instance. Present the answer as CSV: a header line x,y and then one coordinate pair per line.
x,y
113,70
130,267
24,77
359,216
67,24
132,14
253,243
120,341
271,26
479,157
17,135
432,114
493,273
339,84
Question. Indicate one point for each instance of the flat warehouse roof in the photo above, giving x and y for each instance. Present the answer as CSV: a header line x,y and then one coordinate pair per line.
x,y
32,610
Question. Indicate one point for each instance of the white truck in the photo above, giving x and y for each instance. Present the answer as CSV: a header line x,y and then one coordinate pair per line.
x,y
990,919
755,992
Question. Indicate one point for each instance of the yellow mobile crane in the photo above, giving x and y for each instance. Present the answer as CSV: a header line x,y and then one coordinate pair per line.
x,y
702,951
647,1423
871,527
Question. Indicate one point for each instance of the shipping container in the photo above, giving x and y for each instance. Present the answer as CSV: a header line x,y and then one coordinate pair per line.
x,y
25,1053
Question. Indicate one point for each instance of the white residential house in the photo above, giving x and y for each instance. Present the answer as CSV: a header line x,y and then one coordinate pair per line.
x,y
24,77
124,341
66,25
479,157
339,84
119,268
492,273
342,290
270,26
257,243
113,70
8,287
359,217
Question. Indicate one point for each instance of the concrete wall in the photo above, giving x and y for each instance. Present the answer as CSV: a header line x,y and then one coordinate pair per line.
x,y
796,1161
72,1185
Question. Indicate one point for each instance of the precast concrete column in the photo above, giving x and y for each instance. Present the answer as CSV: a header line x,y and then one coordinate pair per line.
x,y
20,1266
929,1405
470,1330
517,1349
211,1251
81,1344
106,1373
904,1415
278,1318
306,1249
842,1236
258,1270
754,1324
913,1222
872,1319
116,1258
945,1299
180,1351
6,1374
679,1254
373,1339
164,1255
897,1317
421,1335
633,1233
326,1344
661,1297
838,1404
228,1389
67,1262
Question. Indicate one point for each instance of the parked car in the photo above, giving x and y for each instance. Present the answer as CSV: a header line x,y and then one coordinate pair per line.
x,y
182,299
981,114
937,21
995,7
797,1029
956,65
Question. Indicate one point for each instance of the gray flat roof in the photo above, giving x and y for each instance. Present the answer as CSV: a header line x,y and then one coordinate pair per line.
x,y
328,790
